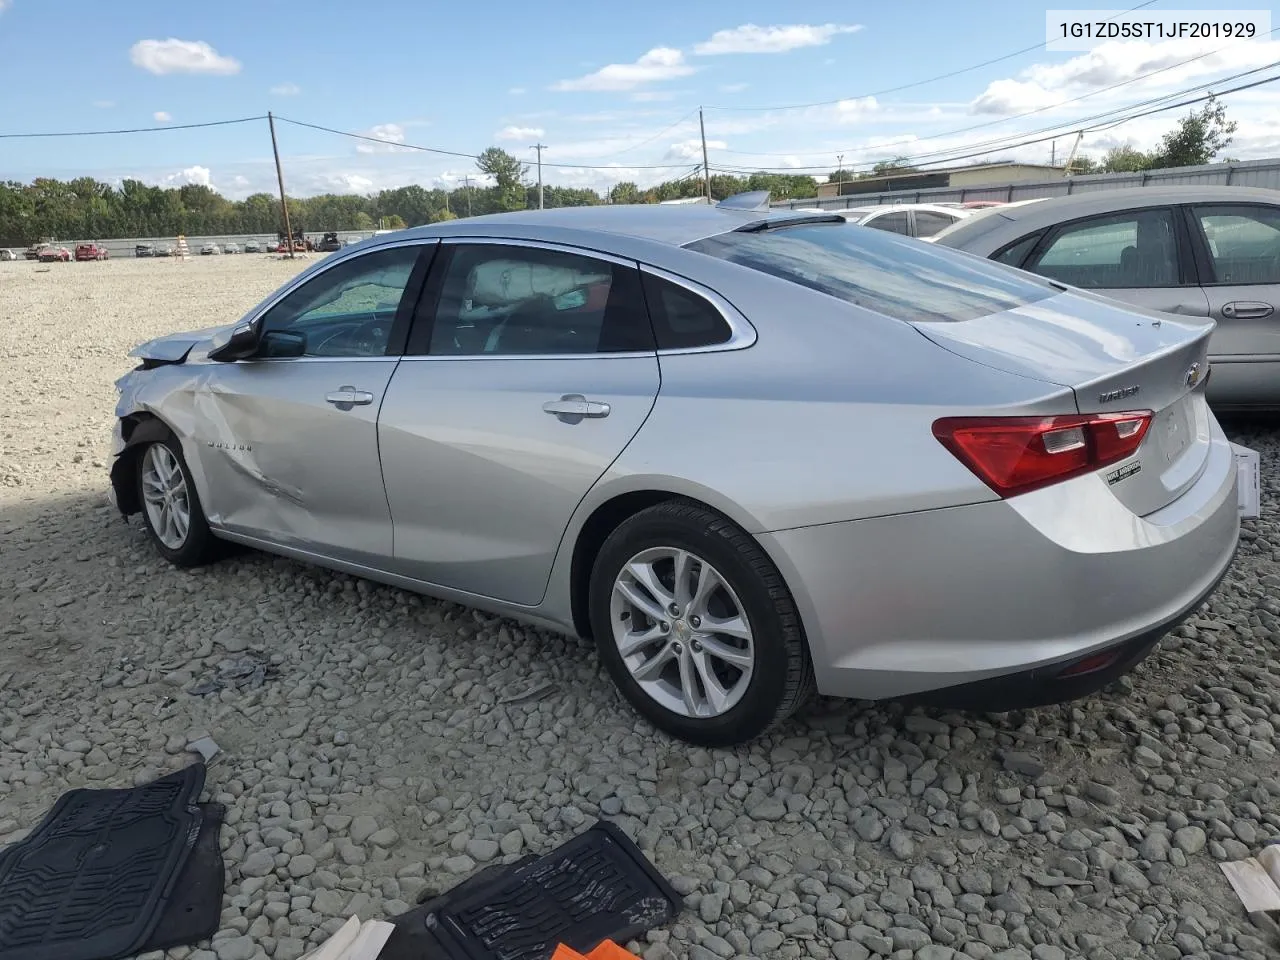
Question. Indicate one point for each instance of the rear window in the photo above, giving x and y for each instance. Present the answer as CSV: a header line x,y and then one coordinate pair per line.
x,y
896,276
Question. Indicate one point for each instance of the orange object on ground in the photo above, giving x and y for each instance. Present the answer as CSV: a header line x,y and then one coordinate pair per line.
x,y
607,950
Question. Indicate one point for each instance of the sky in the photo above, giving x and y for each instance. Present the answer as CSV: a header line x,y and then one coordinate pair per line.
x,y
612,90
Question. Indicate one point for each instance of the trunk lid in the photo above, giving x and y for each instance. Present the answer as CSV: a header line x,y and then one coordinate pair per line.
x,y
1116,358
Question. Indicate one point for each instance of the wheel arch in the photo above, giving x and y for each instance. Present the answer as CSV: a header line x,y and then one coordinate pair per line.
x,y
137,430
604,517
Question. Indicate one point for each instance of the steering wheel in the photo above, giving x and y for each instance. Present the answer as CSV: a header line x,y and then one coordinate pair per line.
x,y
362,339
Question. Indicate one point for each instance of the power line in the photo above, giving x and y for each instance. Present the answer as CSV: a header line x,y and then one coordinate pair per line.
x,y
1038,110
918,83
104,133
1030,142
474,156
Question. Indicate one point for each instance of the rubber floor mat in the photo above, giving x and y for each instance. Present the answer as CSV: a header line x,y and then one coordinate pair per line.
x,y
91,881
594,887
193,911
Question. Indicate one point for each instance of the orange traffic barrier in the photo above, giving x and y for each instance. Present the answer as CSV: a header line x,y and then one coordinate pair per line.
x,y
607,950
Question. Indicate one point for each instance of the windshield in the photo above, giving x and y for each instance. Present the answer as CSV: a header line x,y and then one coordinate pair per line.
x,y
890,274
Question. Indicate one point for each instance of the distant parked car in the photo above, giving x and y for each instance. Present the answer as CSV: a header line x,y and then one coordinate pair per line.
x,y
329,243
91,251
909,219
231,248
165,250
252,246
7,255
51,254
210,249
33,252
144,250
1190,251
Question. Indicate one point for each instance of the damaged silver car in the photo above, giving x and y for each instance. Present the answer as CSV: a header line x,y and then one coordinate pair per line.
x,y
751,453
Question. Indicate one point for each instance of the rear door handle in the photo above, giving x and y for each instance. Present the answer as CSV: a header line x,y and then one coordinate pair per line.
x,y
573,407
1247,310
344,398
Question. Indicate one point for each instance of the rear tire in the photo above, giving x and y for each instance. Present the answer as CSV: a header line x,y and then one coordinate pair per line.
x,y
170,505
696,626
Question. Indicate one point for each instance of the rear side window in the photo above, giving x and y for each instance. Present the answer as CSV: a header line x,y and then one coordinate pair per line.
x,y
1017,251
1136,249
891,222
929,222
682,320
895,276
1244,243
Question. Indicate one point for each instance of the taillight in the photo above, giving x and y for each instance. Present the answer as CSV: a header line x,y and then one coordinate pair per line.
x,y
1014,455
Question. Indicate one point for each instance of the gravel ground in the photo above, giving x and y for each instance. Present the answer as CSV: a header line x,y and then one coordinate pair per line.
x,y
401,742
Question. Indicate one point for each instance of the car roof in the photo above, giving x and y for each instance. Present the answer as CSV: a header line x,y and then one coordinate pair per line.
x,y
997,225
674,224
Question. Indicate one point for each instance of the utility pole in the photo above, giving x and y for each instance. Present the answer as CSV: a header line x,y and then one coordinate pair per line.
x,y
1053,151
706,169
284,206
839,169
466,182
539,147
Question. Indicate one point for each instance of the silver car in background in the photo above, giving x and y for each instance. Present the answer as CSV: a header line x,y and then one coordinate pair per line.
x,y
1194,252
750,453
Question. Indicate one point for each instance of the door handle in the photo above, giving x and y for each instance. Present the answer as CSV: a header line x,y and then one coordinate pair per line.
x,y
574,407
344,398
1247,310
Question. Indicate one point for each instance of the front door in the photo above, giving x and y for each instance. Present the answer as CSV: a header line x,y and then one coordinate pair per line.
x,y
1240,251
529,370
289,444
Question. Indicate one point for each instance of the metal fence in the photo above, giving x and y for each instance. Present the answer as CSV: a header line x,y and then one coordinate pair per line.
x,y
1249,173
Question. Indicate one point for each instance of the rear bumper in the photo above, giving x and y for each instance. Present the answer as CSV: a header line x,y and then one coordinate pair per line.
x,y
900,606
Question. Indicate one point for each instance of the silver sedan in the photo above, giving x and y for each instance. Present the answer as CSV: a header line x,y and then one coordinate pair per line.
x,y
750,453
1209,252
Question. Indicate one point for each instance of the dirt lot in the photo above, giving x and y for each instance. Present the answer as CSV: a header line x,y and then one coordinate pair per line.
x,y
399,743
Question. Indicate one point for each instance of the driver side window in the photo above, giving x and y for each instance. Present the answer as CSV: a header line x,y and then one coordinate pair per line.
x,y
347,310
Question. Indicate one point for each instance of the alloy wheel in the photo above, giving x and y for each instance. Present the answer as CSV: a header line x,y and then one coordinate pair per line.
x,y
682,632
164,493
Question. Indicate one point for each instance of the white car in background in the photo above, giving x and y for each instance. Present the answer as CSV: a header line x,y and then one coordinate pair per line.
x,y
920,220
210,249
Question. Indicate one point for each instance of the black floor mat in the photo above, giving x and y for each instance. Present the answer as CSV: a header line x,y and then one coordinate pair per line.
x,y
91,881
193,911
594,887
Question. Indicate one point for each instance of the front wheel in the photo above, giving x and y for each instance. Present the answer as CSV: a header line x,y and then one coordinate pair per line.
x,y
696,626
171,506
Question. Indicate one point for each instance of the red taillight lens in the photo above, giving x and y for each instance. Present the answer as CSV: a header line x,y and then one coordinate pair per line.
x,y
1014,455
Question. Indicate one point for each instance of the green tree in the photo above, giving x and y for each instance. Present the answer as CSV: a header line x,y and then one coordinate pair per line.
x,y
1199,137
885,168
508,174
1125,159
393,222
624,192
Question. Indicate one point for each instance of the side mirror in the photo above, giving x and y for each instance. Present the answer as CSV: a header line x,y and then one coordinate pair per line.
x,y
280,344
239,344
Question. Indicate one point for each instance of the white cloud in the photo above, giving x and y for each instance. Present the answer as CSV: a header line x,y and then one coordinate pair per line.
x,y
692,149
202,176
750,38
1048,84
100,104
161,117
519,133
393,132
180,56
660,63
733,87
286,90
4,5
854,111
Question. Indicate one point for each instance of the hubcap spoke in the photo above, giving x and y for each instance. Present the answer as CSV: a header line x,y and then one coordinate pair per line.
x,y
734,626
640,600
637,640
164,495
681,568
708,580
650,669
647,577
717,695
689,686
721,651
